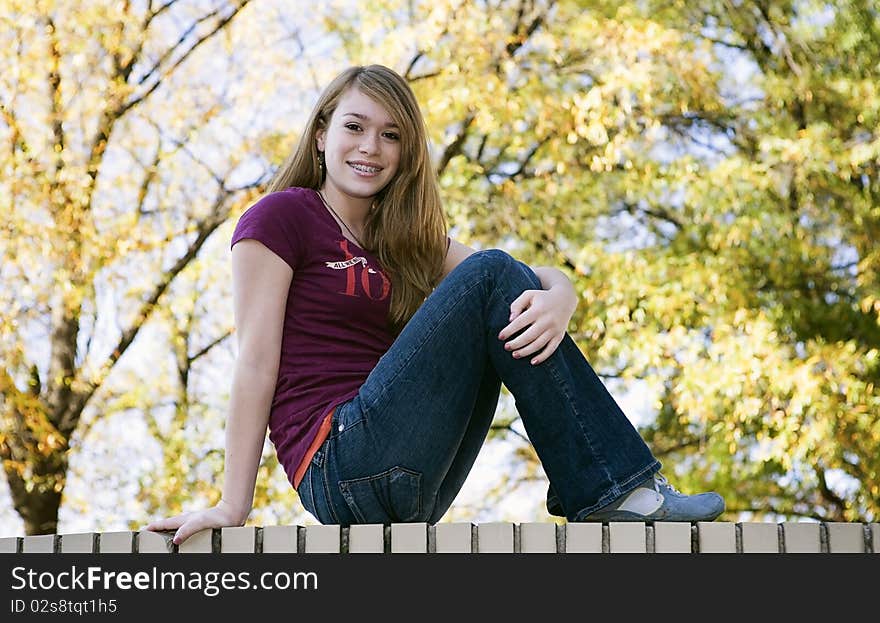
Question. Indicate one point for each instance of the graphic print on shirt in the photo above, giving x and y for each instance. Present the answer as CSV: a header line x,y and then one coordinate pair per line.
x,y
349,265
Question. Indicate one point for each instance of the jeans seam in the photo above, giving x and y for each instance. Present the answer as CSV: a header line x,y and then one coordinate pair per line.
x,y
427,335
638,476
326,486
497,281
352,504
336,419
560,382
616,488
336,433
311,475
511,265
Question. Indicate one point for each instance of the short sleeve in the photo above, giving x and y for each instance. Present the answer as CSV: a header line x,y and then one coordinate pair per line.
x,y
272,220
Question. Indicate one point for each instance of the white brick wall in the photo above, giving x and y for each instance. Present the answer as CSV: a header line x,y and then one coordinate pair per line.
x,y
492,537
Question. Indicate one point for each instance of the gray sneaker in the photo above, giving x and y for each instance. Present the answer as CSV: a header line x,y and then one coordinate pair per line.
x,y
657,500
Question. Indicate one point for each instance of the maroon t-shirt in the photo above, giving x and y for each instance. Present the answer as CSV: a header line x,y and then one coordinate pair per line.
x,y
336,320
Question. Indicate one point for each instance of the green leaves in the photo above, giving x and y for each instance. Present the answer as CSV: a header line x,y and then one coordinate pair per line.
x,y
707,173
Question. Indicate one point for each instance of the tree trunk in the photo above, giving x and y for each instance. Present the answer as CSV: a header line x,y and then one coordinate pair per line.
x,y
38,499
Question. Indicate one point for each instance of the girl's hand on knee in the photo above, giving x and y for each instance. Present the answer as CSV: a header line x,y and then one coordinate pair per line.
x,y
546,314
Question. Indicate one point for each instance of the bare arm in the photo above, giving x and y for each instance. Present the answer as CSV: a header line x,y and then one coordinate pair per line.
x,y
454,256
261,281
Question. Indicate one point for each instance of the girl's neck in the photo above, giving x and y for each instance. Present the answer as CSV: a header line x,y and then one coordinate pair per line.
x,y
353,210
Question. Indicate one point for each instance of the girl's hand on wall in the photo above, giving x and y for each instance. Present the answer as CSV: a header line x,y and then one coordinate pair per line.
x,y
187,524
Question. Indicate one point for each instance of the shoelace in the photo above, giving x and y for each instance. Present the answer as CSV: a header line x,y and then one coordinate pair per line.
x,y
660,479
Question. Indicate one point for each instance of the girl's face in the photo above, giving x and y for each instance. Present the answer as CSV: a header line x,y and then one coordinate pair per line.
x,y
361,146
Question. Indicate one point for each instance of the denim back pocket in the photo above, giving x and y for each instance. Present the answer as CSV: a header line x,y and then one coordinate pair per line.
x,y
394,496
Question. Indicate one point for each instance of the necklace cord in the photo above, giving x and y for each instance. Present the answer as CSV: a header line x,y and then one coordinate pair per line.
x,y
327,203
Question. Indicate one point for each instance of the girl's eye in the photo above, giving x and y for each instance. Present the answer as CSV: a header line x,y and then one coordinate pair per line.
x,y
393,136
352,126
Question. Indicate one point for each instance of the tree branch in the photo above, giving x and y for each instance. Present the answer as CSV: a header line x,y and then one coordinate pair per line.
x,y
16,137
167,54
522,33
509,429
826,491
154,14
204,229
657,213
211,345
54,81
454,148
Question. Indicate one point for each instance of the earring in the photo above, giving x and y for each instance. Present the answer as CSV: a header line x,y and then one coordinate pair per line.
x,y
321,164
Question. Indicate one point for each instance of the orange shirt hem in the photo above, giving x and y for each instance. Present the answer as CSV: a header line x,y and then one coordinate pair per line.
x,y
323,431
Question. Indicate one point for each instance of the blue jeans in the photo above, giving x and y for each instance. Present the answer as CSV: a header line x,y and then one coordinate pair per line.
x,y
401,449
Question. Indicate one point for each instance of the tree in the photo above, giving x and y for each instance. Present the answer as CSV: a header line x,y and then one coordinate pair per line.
x,y
706,172
95,128
785,211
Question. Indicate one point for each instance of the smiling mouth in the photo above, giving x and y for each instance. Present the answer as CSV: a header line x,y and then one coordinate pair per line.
x,y
364,169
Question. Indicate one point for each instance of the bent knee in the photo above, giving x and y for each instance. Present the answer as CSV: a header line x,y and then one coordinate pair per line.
x,y
499,261
495,258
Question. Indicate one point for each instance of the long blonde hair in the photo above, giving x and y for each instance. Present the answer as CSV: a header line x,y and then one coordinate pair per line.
x,y
406,227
